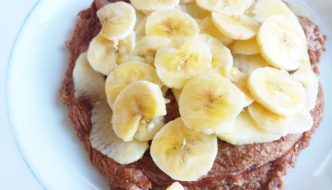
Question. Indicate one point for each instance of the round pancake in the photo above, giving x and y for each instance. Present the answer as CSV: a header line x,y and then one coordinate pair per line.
x,y
254,166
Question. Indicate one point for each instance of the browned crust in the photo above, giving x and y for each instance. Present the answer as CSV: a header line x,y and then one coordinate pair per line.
x,y
316,39
254,172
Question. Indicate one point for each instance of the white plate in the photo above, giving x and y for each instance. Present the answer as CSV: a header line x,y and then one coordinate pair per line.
x,y
44,133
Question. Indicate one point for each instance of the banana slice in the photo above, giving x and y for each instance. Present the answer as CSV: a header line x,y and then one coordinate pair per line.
x,y
175,186
306,64
310,83
104,139
222,58
193,10
238,27
117,19
227,128
186,1
246,132
140,24
131,58
137,105
209,101
250,10
176,65
247,64
299,10
183,154
277,91
277,124
267,120
147,131
282,43
126,74
266,8
207,27
176,93
125,47
301,123
148,46
240,80
173,23
154,5
102,55
245,47
165,89
227,7
87,82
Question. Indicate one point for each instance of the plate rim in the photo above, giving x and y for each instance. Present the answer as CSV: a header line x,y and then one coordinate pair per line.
x,y
13,50
13,131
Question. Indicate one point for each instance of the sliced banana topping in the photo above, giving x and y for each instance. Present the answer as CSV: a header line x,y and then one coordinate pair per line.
x,y
148,46
104,139
186,1
172,23
131,58
268,120
175,186
246,131
126,74
277,91
238,69
140,24
193,10
176,65
240,79
238,27
226,128
148,130
301,123
282,43
309,80
207,27
137,105
126,47
102,55
306,64
117,19
280,125
183,154
222,58
248,63
176,93
90,84
263,9
154,5
299,10
245,47
87,82
209,101
227,7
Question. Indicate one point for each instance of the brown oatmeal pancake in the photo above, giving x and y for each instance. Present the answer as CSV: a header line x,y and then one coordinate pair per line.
x,y
257,166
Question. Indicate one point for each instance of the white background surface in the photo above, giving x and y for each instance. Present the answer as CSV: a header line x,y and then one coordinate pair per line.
x,y
14,174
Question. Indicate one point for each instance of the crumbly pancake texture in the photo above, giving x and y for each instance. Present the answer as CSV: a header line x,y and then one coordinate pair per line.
x,y
257,166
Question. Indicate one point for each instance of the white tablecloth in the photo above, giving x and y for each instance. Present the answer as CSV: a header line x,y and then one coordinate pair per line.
x,y
14,173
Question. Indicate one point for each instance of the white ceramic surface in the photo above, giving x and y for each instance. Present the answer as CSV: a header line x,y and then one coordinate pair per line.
x,y
40,122
11,161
